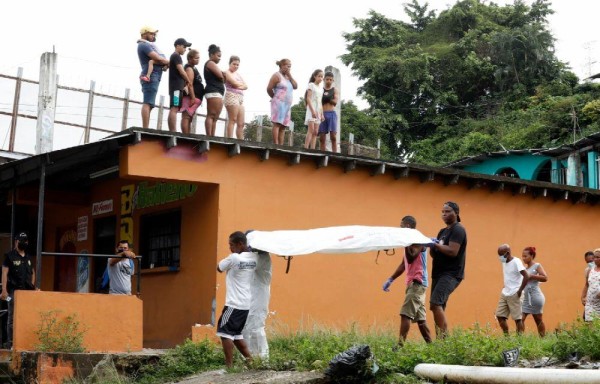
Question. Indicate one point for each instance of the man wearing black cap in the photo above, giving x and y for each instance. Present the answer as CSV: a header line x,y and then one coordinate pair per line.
x,y
178,81
17,273
448,251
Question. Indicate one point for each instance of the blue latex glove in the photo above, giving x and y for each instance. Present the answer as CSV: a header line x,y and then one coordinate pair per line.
x,y
434,241
386,285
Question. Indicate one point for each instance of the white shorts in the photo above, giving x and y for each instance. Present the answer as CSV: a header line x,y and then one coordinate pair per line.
x,y
213,95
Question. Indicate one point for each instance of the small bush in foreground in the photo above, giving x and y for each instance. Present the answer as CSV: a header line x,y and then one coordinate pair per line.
x,y
59,334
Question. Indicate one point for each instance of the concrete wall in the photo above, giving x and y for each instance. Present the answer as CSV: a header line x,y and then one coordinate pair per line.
x,y
337,290
112,323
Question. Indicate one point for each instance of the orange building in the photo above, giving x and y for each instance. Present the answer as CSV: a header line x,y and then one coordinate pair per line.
x,y
179,197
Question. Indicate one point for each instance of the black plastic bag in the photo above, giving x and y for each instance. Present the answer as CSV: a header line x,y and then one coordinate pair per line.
x,y
354,365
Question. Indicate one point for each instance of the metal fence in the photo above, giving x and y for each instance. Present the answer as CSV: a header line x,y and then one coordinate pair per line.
x,y
84,115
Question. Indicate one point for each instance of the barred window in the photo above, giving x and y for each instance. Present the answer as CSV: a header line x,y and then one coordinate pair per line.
x,y
159,240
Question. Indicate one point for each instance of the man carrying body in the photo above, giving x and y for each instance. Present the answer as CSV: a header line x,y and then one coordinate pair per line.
x,y
120,270
17,274
147,51
240,267
515,280
449,254
415,265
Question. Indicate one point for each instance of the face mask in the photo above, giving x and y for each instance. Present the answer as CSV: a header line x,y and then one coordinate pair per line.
x,y
22,245
591,264
502,258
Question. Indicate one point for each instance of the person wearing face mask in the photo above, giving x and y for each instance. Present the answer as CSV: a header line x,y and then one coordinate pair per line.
x,y
17,274
120,270
515,280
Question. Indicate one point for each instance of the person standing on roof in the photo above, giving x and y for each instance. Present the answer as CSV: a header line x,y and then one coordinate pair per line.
x,y
280,89
147,51
179,83
329,125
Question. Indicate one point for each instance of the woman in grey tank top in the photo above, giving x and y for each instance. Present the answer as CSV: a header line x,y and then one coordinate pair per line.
x,y
533,297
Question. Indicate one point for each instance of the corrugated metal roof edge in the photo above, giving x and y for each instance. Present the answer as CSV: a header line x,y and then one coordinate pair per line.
x,y
349,163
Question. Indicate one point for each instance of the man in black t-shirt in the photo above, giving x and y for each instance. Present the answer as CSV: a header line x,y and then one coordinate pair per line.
x,y
17,273
178,81
448,252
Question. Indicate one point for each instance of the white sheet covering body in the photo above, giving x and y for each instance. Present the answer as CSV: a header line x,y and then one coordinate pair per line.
x,y
254,330
344,239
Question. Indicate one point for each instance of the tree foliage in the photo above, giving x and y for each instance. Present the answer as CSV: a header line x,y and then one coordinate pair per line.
x,y
464,81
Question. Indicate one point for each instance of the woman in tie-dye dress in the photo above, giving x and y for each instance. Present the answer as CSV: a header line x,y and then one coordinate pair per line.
x,y
590,297
280,89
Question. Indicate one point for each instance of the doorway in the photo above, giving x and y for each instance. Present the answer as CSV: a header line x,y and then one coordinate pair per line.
x,y
104,244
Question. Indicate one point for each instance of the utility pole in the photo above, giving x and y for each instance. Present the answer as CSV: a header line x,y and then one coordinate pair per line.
x,y
589,58
46,103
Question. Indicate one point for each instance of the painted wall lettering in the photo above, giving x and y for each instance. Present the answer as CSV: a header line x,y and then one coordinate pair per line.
x,y
127,192
162,193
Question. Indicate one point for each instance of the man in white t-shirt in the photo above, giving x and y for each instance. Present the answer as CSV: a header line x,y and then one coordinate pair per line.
x,y
515,280
240,267
120,269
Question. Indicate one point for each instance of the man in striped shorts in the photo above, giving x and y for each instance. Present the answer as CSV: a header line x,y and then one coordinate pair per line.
x,y
240,267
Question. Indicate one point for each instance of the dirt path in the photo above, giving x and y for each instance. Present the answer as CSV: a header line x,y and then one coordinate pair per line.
x,y
255,377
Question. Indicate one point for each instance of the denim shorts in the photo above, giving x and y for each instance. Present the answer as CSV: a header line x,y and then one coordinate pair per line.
x,y
150,90
330,122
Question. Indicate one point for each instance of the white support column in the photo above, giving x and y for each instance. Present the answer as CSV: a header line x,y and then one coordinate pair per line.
x,y
90,112
48,88
125,110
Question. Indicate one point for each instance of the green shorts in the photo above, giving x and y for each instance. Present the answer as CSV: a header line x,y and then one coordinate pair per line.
x,y
414,302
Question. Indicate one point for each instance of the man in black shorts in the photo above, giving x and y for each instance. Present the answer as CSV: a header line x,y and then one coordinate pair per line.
x,y
448,252
240,266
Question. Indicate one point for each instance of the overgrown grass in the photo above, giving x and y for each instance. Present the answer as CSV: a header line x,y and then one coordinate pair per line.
x,y
184,360
309,350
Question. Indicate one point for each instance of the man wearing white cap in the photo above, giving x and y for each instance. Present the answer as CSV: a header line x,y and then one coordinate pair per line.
x,y
147,51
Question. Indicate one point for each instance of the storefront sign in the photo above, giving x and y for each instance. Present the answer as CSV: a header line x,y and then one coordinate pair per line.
x,y
101,207
82,228
162,193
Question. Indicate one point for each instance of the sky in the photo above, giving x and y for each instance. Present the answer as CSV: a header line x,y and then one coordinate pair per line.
x,y
97,40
